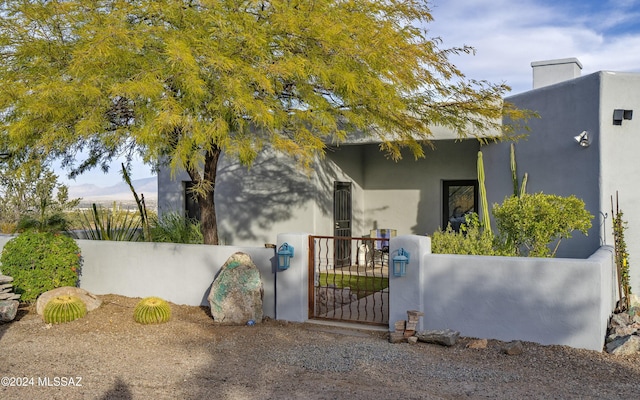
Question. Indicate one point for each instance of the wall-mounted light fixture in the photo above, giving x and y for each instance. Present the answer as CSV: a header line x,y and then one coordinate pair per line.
x,y
400,262
619,115
285,253
583,139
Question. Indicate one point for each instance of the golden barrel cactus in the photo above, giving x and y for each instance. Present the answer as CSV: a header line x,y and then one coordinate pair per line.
x,y
152,310
64,309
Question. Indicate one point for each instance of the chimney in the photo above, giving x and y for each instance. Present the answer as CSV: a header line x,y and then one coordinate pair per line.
x,y
553,71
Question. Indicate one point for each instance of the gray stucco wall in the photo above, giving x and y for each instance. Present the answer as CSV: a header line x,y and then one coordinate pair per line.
x,y
557,164
619,146
407,195
275,195
179,273
547,301
553,160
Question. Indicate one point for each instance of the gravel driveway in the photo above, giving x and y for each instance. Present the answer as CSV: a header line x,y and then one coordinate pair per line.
x,y
106,355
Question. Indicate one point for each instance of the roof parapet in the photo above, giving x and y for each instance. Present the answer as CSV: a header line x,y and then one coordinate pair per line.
x,y
549,72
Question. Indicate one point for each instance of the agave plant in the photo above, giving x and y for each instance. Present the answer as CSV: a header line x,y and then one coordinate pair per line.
x,y
114,224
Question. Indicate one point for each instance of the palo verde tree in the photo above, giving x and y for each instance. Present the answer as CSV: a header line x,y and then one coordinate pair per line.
x,y
185,80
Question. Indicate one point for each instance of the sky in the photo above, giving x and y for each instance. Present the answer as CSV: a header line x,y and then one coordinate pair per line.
x,y
508,35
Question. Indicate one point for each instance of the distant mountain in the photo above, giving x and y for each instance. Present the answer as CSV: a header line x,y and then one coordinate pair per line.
x,y
120,193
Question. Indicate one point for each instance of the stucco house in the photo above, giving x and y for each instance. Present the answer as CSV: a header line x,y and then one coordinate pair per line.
x,y
585,143
355,189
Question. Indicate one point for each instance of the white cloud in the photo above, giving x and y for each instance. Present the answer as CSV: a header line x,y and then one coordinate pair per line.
x,y
509,35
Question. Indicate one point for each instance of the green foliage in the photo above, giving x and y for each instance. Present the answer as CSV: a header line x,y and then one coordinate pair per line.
x,y
622,256
362,286
176,228
114,224
64,309
152,310
41,261
530,223
32,198
184,81
471,240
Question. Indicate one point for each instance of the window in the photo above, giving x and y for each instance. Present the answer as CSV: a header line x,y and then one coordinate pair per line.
x,y
459,198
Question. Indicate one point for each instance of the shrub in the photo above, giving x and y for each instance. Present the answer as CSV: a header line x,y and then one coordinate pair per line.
x,y
176,228
471,240
530,223
64,309
152,310
41,261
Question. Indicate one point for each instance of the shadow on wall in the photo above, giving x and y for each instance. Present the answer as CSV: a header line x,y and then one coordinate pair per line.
x,y
547,302
250,201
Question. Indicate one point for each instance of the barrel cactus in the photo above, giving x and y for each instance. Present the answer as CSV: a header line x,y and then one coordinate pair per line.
x,y
152,310
64,309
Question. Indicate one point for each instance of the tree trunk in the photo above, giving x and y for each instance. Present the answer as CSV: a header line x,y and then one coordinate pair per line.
x,y
206,201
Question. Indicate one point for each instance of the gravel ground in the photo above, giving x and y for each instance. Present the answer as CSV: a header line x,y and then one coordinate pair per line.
x,y
106,355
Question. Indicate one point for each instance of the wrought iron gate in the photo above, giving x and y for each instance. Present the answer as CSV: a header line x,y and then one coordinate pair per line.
x,y
353,292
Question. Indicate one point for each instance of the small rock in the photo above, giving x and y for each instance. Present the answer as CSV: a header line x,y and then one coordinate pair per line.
x,y
445,337
623,330
8,310
478,344
412,340
5,279
9,296
397,337
513,348
620,319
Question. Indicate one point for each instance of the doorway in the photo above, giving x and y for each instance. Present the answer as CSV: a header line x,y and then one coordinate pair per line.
x,y
342,217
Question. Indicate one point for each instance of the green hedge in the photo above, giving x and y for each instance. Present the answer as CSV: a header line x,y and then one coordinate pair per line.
x,y
40,261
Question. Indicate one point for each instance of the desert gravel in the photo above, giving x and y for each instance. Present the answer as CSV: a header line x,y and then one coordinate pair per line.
x,y
191,357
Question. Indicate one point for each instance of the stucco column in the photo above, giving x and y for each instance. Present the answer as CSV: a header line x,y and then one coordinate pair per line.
x,y
405,292
292,298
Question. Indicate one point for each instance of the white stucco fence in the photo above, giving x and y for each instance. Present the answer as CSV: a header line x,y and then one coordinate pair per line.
x,y
179,273
548,301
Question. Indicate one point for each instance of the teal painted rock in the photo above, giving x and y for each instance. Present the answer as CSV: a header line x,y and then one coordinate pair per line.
x,y
236,293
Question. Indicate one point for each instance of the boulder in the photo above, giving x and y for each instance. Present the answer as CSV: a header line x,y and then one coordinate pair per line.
x,y
624,346
445,337
90,300
8,310
236,293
